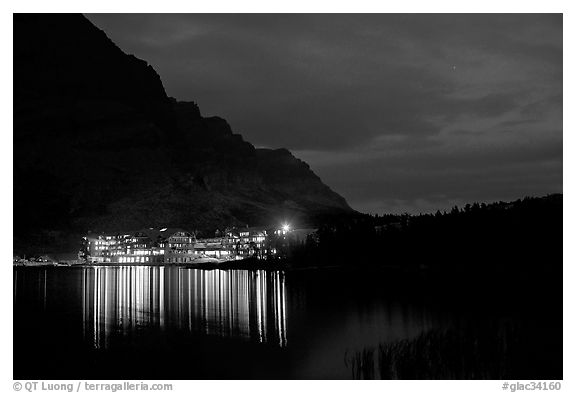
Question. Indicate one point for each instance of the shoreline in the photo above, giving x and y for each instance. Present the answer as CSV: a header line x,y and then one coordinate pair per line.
x,y
241,264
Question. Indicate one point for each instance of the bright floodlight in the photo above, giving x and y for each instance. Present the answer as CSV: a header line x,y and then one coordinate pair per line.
x,y
286,227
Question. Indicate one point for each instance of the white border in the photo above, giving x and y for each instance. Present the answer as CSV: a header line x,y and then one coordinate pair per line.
x,y
297,6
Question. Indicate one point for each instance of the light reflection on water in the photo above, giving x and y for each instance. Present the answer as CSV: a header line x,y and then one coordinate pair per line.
x,y
105,322
237,303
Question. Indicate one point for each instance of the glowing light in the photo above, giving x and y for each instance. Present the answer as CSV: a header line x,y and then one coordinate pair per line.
x,y
286,227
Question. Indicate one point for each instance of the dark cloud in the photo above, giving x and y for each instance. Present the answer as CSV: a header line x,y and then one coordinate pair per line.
x,y
436,108
431,176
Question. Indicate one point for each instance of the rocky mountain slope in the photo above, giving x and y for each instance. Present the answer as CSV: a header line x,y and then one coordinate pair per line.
x,y
99,146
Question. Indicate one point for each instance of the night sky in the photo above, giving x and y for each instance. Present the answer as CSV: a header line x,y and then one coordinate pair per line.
x,y
395,112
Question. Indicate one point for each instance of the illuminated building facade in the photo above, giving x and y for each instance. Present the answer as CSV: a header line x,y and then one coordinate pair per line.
x,y
174,245
247,242
144,246
218,247
179,246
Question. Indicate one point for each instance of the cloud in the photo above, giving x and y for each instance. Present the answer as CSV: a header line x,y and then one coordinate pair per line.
x,y
437,175
428,105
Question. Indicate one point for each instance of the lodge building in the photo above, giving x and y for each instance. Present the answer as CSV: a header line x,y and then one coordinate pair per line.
x,y
144,246
176,245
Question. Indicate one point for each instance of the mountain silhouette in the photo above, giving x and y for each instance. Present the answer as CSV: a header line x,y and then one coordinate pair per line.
x,y
99,146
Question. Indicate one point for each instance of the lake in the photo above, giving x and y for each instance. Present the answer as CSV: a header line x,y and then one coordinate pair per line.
x,y
156,322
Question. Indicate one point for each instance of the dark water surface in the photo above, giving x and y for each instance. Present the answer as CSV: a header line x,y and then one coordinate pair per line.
x,y
144,322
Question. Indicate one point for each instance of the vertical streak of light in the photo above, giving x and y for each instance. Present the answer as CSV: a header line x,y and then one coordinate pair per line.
x,y
154,294
179,289
214,300
260,292
258,306
131,283
277,312
96,308
136,297
139,294
206,298
84,304
126,291
220,305
124,298
229,304
189,300
147,295
133,297
105,315
196,294
120,296
155,289
140,297
279,308
128,298
161,304
234,295
117,288
238,305
99,306
117,284
99,314
264,304
284,327
246,299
